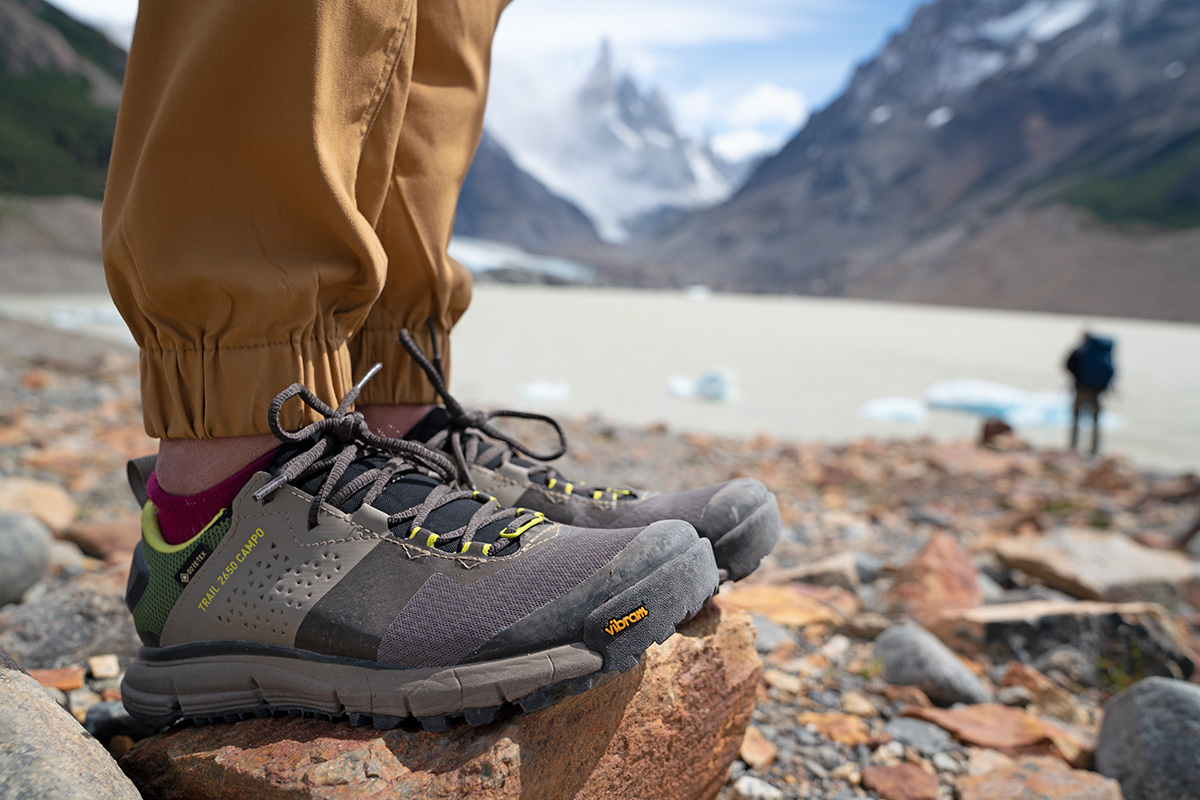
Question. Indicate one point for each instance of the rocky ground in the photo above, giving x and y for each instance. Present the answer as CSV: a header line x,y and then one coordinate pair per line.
x,y
940,620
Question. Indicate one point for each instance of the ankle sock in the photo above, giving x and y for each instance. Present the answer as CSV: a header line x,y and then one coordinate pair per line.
x,y
180,517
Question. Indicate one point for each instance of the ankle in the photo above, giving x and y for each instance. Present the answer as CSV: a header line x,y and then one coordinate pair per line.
x,y
190,466
394,420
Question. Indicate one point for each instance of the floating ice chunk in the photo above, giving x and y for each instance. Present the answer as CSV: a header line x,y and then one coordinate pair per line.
x,y
1017,407
483,255
880,114
545,391
698,292
718,385
894,409
939,117
1174,70
72,318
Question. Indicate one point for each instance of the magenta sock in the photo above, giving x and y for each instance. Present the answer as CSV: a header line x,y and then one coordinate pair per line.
x,y
182,517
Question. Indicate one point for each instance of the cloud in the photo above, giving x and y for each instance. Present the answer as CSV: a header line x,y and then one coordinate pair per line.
x,y
541,27
744,143
769,104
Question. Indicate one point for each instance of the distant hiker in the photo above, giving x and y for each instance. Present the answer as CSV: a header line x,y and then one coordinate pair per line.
x,y
1091,364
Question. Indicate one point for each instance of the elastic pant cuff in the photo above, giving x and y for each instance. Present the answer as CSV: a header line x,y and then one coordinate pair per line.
x,y
205,394
401,380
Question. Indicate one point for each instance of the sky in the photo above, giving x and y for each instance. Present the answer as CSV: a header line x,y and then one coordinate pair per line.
x,y
746,74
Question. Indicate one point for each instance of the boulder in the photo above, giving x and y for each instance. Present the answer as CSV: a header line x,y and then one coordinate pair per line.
x,y
1038,778
24,554
1150,740
912,656
939,579
44,751
1123,639
668,728
72,621
1096,565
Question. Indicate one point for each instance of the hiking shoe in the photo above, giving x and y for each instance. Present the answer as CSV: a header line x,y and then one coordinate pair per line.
x,y
349,579
740,517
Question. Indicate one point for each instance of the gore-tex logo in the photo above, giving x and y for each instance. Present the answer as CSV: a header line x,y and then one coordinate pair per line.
x,y
194,561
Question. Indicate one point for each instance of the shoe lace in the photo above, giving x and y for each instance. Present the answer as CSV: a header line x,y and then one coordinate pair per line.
x,y
343,437
462,436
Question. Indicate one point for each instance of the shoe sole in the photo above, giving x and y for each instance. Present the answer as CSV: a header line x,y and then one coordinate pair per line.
x,y
739,550
166,685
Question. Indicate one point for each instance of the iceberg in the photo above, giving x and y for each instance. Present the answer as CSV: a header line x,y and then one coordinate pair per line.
x,y
1018,407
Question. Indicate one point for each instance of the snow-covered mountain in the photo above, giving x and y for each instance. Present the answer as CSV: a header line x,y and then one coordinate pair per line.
x,y
981,117
614,151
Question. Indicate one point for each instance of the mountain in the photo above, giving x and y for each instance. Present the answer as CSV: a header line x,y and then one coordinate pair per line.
x,y
60,84
614,150
981,116
503,203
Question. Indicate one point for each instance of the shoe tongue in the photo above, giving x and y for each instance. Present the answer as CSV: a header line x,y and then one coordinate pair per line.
x,y
401,494
430,425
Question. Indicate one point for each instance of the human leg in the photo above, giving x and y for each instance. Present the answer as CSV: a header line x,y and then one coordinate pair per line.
x,y
1075,408
442,127
248,173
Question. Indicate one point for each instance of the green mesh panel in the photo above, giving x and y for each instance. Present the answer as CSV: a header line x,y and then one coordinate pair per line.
x,y
163,590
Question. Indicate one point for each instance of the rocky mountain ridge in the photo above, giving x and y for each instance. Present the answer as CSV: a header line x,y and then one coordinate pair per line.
x,y
980,110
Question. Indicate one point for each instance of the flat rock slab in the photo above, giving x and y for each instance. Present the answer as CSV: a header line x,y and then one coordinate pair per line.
x,y
1137,639
668,728
1034,778
1094,565
901,782
1010,731
939,579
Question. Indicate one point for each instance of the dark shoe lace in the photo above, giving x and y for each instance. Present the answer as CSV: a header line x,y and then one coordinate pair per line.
x,y
343,438
463,440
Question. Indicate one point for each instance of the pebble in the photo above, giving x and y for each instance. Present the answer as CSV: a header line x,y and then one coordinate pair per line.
x,y
914,657
106,666
25,545
928,739
768,634
749,787
1014,696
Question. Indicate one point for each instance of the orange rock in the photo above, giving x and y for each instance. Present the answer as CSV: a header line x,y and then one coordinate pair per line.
x,y
63,678
1048,695
1008,730
756,751
49,502
964,458
908,695
785,605
901,782
100,539
843,728
670,727
1038,779
939,579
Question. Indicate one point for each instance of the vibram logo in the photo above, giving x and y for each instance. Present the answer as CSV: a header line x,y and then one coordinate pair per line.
x,y
615,626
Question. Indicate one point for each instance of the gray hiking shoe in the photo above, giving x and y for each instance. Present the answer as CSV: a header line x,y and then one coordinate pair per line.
x,y
345,581
740,517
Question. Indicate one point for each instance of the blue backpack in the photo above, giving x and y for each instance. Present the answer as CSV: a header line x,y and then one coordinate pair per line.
x,y
1094,365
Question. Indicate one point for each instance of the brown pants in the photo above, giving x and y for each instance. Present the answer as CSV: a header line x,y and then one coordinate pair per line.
x,y
281,196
